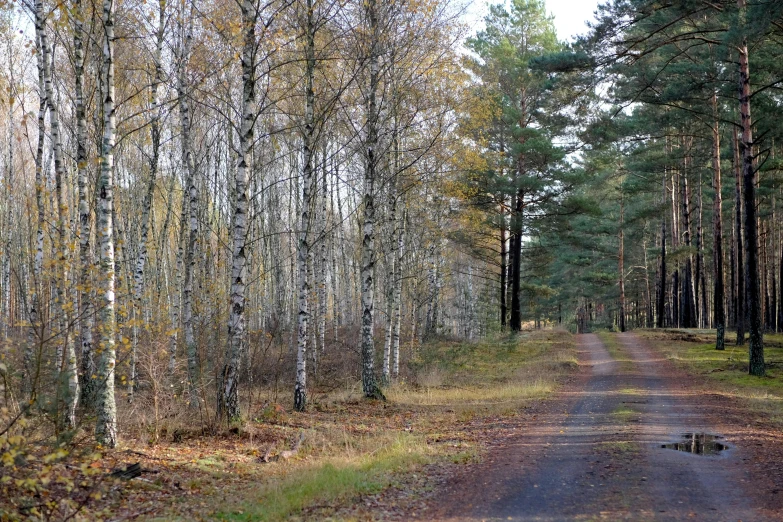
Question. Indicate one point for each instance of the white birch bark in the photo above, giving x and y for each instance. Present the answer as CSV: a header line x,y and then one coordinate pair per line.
x,y
9,199
106,429
189,258
391,273
333,239
86,317
176,298
340,237
322,293
303,247
36,331
432,301
397,297
68,389
236,322
367,275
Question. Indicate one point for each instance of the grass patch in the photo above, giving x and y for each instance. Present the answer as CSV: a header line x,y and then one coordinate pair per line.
x,y
624,413
727,370
615,351
491,376
329,482
472,396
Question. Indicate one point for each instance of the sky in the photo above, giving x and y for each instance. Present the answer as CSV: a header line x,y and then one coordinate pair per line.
x,y
570,15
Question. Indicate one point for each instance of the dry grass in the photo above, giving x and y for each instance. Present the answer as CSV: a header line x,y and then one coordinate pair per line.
x,y
463,397
352,446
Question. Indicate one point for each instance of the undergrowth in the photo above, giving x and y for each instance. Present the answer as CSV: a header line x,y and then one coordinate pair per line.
x,y
351,446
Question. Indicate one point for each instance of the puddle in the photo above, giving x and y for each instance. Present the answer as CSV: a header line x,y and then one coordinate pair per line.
x,y
698,444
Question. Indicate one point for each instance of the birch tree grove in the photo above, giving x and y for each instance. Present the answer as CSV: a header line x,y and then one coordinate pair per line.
x,y
268,167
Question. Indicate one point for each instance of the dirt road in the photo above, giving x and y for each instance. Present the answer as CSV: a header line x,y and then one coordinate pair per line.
x,y
595,452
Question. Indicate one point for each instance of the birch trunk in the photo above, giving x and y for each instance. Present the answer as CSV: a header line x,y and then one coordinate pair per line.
x,y
189,260
323,296
86,313
391,273
236,322
369,383
9,193
397,297
106,429
68,389
36,332
303,247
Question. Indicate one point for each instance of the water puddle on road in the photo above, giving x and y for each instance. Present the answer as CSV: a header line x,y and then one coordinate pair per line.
x,y
698,444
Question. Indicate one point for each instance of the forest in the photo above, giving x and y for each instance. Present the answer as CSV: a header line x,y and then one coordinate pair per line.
x,y
214,213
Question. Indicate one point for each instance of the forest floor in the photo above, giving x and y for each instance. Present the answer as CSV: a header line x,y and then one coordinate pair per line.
x,y
594,452
358,459
545,426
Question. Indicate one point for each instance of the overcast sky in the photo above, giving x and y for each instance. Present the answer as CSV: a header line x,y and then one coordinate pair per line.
x,y
570,15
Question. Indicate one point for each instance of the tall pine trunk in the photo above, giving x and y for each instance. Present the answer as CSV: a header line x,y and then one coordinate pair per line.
x,y
756,344
719,314
687,300
739,306
621,267
661,319
503,268
516,263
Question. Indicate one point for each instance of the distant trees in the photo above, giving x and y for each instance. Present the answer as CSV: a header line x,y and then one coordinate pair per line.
x,y
517,120
674,71
626,241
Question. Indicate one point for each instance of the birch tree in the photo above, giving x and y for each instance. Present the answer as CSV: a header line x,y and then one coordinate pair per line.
x,y
373,48
106,429
86,293
303,247
236,324
66,352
